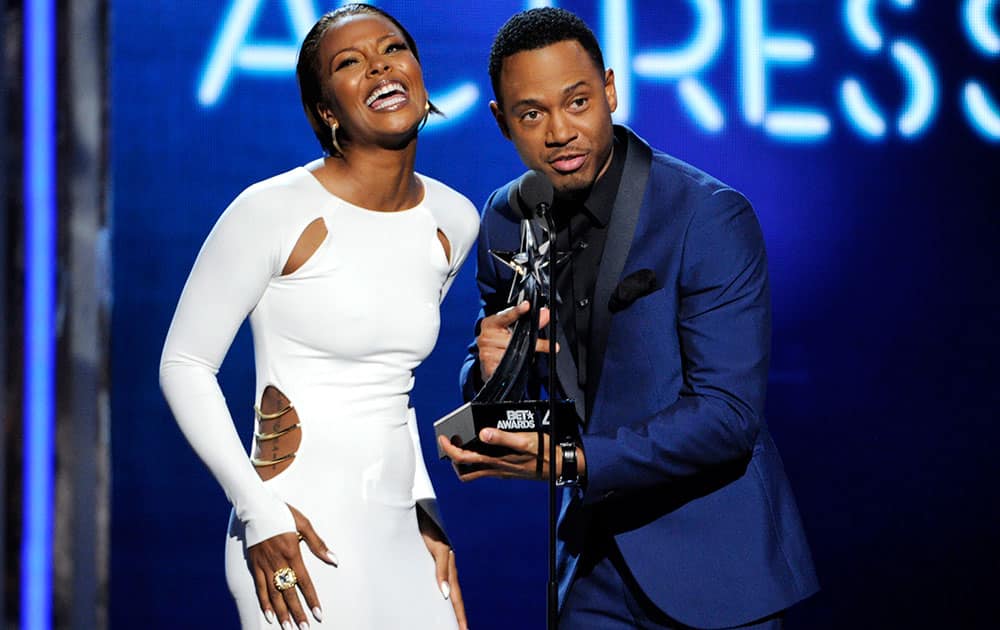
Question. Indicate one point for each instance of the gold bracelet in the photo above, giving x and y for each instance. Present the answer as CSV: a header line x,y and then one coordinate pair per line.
x,y
263,437
271,416
260,463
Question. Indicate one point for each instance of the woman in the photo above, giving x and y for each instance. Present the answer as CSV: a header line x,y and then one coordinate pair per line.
x,y
340,265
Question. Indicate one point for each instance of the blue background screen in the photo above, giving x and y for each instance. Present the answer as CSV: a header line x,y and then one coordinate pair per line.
x,y
866,135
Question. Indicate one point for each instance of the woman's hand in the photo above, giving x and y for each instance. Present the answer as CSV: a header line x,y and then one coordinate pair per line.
x,y
279,552
444,565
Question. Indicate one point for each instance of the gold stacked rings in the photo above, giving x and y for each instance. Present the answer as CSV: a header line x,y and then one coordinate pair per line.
x,y
285,579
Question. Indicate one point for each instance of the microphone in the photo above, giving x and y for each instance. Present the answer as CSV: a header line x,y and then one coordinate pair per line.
x,y
531,195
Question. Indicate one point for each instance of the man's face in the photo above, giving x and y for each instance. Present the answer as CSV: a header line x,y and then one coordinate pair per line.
x,y
556,109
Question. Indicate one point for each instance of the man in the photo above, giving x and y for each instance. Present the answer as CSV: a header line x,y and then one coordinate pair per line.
x,y
680,514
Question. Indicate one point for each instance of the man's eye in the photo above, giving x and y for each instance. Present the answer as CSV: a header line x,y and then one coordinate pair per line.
x,y
579,102
532,115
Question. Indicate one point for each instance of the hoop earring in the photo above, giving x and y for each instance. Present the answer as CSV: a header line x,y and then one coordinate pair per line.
x,y
427,114
333,138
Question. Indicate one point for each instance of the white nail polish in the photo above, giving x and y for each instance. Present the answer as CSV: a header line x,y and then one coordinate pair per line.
x,y
304,625
333,558
318,614
269,615
446,590
287,625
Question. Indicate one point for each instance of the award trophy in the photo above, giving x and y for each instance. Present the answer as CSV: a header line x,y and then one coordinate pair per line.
x,y
500,402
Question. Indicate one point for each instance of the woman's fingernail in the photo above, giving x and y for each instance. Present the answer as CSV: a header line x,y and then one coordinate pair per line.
x,y
304,625
445,590
487,435
287,625
333,558
318,614
269,615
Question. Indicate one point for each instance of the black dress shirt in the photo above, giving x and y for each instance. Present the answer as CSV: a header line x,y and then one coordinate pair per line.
x,y
582,228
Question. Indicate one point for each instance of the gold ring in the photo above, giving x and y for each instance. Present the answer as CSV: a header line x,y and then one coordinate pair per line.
x,y
301,537
285,579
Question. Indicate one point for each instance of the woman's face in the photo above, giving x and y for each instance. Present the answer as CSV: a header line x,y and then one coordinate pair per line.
x,y
372,82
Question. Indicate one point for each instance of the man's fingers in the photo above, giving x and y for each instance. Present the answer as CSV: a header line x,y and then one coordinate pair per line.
x,y
524,442
506,317
459,455
543,317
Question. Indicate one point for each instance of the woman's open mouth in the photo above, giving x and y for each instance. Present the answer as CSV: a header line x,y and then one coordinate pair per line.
x,y
387,95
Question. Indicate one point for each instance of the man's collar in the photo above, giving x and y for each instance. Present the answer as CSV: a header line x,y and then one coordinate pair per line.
x,y
602,195
601,198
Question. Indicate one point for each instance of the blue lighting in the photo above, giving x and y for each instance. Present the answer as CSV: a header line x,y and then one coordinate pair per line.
x,y
456,104
922,96
759,50
976,15
797,125
684,63
701,105
39,309
862,113
618,56
232,48
235,49
982,111
860,19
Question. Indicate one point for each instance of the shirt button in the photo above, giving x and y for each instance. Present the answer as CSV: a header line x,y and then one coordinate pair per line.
x,y
583,302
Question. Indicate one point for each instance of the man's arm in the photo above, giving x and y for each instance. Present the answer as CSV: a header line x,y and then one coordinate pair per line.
x,y
724,328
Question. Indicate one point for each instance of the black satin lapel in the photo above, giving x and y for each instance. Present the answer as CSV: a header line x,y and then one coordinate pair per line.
x,y
621,230
565,366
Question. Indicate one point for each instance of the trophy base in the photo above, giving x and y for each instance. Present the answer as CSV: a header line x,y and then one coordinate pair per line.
x,y
462,426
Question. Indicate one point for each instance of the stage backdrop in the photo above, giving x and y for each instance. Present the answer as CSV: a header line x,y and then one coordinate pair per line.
x,y
864,132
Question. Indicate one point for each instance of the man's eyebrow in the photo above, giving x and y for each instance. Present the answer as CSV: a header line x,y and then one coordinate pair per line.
x,y
536,103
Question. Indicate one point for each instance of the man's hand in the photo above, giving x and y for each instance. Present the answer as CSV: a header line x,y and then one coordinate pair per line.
x,y
520,463
494,336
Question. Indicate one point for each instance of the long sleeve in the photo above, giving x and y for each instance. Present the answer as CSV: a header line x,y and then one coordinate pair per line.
x,y
232,270
723,323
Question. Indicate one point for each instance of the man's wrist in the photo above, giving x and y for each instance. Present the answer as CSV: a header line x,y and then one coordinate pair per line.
x,y
570,456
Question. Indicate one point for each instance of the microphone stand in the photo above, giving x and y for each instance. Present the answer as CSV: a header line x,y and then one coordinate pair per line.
x,y
552,600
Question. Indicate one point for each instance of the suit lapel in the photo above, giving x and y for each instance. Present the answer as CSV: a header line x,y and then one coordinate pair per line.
x,y
621,230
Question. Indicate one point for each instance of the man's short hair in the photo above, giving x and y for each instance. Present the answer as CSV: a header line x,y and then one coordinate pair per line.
x,y
538,28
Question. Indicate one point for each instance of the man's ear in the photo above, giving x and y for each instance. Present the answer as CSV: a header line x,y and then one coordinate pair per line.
x,y
501,120
610,92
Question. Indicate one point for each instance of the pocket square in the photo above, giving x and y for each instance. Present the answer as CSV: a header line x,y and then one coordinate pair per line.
x,y
631,288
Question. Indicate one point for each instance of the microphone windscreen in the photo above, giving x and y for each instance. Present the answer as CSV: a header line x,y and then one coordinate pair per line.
x,y
530,191
535,189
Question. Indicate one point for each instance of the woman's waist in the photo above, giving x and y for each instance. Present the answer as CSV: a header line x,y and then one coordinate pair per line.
x,y
333,402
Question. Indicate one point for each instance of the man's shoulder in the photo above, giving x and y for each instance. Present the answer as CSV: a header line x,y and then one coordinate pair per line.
x,y
683,182
497,208
675,171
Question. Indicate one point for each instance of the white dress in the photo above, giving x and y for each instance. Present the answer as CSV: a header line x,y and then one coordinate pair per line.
x,y
339,337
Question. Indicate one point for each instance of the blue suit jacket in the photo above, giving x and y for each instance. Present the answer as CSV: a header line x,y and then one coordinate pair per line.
x,y
680,465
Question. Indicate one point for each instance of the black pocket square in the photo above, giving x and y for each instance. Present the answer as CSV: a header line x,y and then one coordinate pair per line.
x,y
631,288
